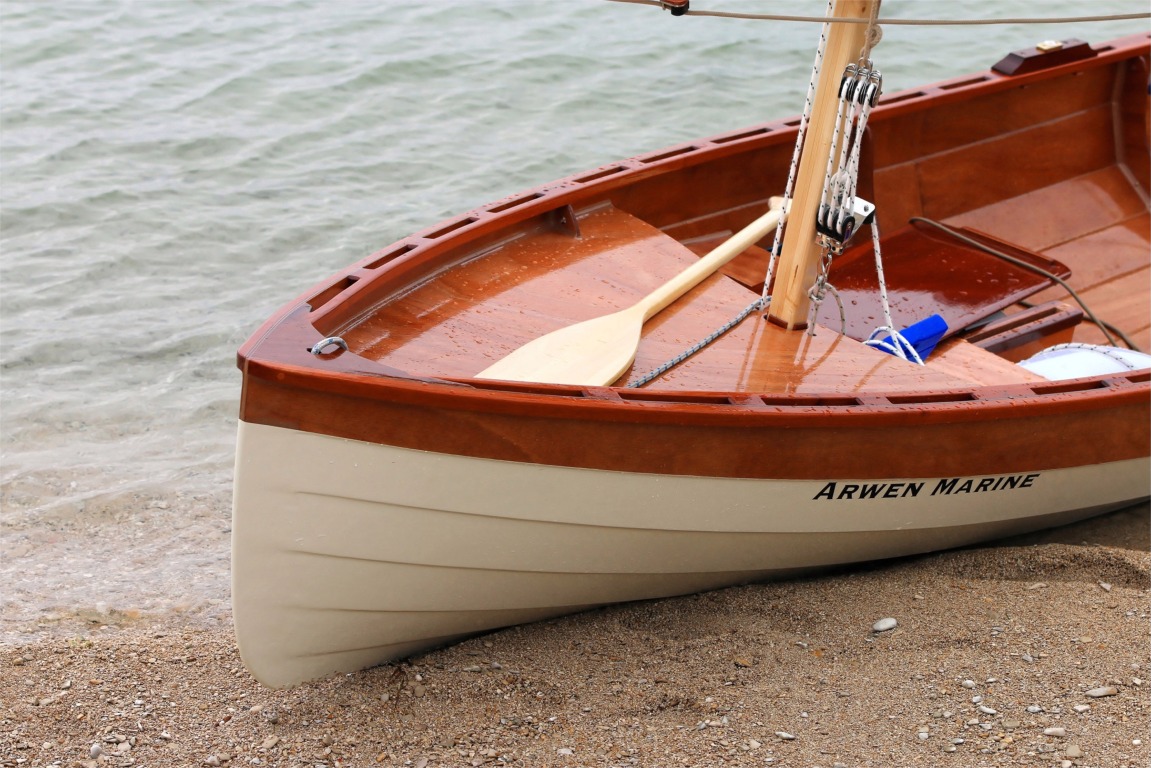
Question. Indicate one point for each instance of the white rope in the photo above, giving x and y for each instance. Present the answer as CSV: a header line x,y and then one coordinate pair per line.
x,y
765,297
858,93
900,347
1106,351
793,171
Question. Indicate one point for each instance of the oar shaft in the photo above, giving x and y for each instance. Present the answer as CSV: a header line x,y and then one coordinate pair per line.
x,y
739,242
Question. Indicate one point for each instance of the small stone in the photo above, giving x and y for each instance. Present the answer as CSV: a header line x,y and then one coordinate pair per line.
x,y
1010,724
212,760
565,751
1137,742
968,683
269,742
1106,587
418,690
95,751
1035,709
785,735
1073,751
1081,708
949,748
1056,731
924,735
987,710
473,668
1107,690
753,744
884,625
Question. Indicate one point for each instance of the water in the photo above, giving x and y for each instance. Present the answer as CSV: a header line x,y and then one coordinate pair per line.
x,y
171,172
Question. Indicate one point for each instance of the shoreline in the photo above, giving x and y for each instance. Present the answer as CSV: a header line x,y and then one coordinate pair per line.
x,y
1031,651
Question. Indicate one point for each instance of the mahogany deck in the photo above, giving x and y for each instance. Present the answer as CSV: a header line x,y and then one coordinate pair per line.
x,y
422,316
1075,202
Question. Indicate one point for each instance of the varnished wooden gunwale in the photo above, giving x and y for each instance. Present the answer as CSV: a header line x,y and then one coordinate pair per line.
x,y
599,429
988,429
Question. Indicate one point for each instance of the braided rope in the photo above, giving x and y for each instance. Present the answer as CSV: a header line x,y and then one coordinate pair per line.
x,y
673,362
765,297
793,170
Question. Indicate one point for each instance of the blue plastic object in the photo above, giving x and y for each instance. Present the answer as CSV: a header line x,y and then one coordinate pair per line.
x,y
923,335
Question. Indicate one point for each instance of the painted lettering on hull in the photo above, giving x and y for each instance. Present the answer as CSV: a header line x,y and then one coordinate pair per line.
x,y
945,486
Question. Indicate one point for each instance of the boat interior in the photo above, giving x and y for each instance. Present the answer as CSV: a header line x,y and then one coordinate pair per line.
x,y
1048,166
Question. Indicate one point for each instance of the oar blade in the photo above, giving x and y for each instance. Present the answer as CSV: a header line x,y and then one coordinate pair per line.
x,y
595,352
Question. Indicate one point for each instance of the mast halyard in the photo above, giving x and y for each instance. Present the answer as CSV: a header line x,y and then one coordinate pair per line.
x,y
800,255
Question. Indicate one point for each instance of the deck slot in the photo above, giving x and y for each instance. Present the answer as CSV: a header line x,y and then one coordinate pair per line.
x,y
452,227
932,397
600,174
964,83
331,292
391,256
672,397
810,400
515,203
898,97
1063,387
742,135
668,154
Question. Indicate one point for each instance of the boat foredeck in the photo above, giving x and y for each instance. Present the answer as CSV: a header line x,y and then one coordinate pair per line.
x,y
547,277
1083,212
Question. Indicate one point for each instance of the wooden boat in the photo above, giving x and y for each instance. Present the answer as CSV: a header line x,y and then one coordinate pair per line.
x,y
391,496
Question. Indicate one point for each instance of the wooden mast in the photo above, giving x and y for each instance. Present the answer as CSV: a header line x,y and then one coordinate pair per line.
x,y
799,258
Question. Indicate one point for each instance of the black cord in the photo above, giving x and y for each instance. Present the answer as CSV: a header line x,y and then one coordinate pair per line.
x,y
1106,328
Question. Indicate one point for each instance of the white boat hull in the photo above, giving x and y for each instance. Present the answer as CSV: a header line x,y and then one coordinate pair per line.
x,y
349,554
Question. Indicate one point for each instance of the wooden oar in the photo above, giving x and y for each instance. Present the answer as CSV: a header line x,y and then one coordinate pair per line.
x,y
596,352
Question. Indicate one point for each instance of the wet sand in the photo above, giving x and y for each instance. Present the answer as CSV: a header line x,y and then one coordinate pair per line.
x,y
1031,651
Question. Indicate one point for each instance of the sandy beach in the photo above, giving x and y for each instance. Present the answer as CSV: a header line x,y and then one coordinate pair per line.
x,y
1030,651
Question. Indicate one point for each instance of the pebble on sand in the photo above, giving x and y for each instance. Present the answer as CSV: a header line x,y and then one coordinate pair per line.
x,y
1107,690
883,625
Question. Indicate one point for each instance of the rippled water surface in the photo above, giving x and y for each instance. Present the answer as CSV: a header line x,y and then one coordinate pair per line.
x,y
171,172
